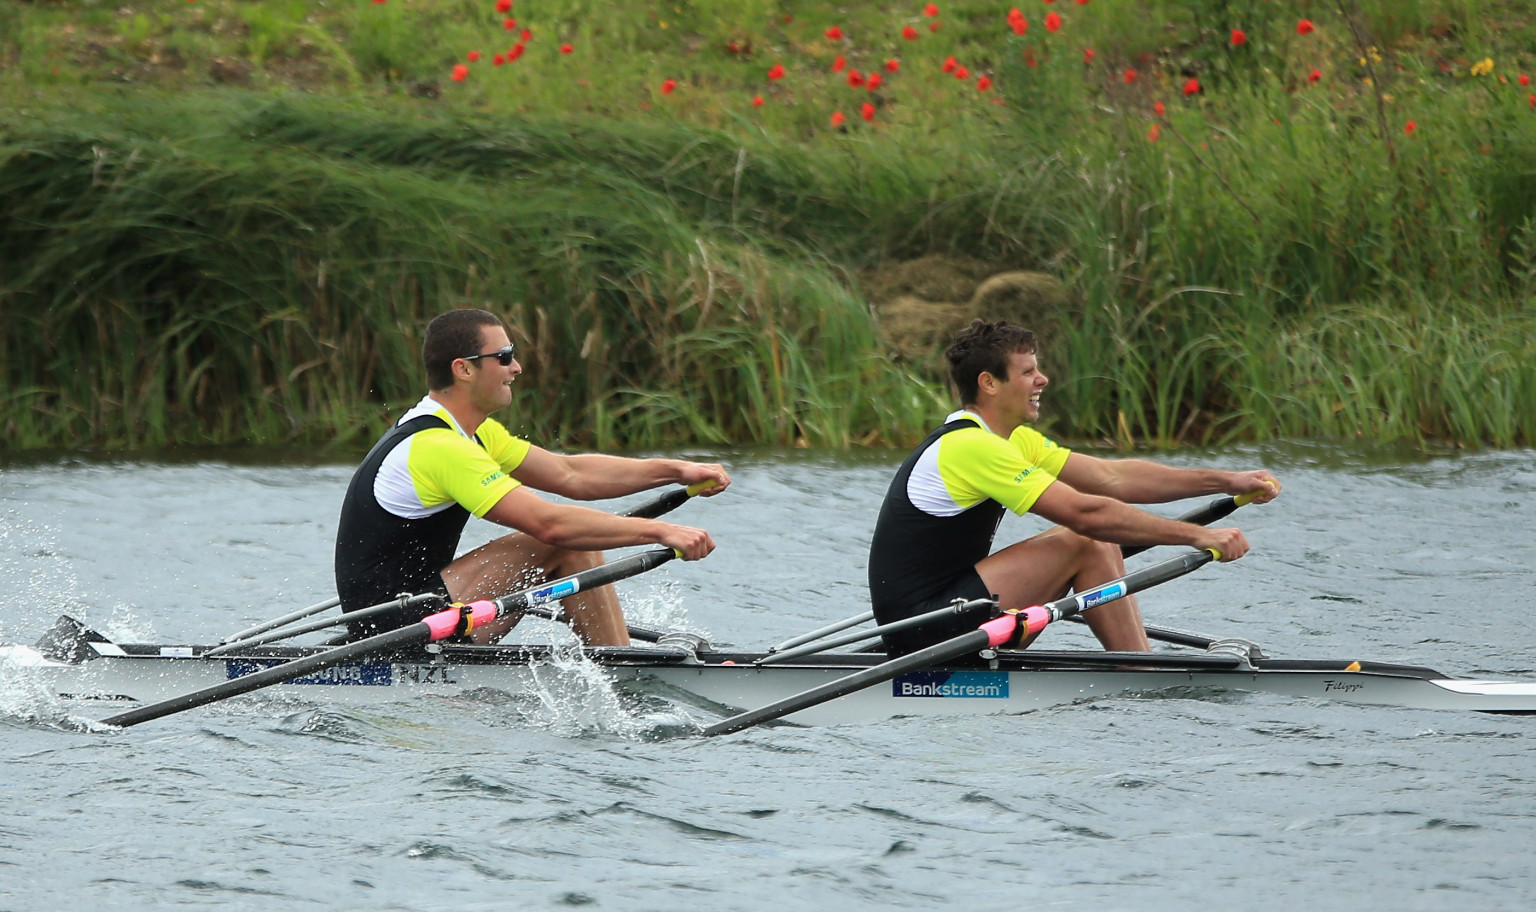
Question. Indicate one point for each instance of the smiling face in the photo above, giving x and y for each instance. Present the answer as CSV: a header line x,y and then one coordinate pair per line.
x,y
490,383
1016,399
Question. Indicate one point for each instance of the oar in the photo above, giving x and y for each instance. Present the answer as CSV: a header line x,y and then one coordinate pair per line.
x,y
443,624
1219,508
1202,516
651,509
993,633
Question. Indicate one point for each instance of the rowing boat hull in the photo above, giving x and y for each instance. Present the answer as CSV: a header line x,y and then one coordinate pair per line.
x,y
123,675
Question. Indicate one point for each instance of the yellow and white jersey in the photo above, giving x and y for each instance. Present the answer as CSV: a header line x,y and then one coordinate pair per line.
x,y
434,469
962,468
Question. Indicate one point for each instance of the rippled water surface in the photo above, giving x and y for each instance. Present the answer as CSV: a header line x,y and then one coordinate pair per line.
x,y
576,796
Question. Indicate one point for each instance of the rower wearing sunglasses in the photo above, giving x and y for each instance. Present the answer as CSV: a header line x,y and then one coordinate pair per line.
x,y
446,459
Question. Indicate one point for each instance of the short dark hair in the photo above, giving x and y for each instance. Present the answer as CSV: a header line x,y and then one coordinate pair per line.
x,y
984,346
450,336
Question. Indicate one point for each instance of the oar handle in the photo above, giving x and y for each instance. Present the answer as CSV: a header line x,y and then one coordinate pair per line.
x,y
1219,508
568,586
669,501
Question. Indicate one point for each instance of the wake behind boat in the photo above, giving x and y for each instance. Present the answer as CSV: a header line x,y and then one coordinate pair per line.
x,y
79,664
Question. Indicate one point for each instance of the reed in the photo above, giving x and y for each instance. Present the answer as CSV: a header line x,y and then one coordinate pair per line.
x,y
1268,256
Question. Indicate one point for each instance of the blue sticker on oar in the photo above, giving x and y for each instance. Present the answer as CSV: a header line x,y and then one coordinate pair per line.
x,y
966,685
1107,594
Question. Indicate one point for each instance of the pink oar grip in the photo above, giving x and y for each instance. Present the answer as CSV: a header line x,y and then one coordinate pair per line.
x,y
444,624
999,629
481,613
1035,619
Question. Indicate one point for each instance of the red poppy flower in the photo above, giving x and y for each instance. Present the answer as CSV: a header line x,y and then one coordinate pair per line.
x,y
1052,22
873,80
931,10
460,72
1157,108
892,65
1130,76
1239,38
515,52
983,84
962,73
526,36
1050,1
667,86
838,65
1154,133
1531,100
1019,26
1082,2
1305,27
1314,76
1524,80
1192,87
909,33
949,65
757,101
503,6
935,25
838,118
855,80
835,34
472,56
1015,13
1410,127
509,24
776,71
498,60
378,1
867,112
566,49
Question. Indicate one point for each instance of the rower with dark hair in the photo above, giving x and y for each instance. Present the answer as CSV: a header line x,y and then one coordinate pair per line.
x,y
933,538
446,459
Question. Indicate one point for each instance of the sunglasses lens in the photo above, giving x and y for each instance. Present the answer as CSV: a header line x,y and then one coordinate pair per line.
x,y
506,356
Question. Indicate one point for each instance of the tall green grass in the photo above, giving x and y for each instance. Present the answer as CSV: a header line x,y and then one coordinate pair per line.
x,y
1267,257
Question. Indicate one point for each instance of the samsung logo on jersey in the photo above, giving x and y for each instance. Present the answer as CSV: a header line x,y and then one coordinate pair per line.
x,y
1023,475
973,685
490,478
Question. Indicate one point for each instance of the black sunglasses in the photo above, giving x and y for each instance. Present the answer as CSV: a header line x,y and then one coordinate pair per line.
x,y
504,357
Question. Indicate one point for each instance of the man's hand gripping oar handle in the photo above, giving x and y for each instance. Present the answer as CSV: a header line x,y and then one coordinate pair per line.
x,y
1220,508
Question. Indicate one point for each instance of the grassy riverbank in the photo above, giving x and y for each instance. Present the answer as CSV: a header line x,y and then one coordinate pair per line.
x,y
226,221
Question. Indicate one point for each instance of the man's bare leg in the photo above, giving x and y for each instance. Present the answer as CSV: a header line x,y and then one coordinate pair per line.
x,y
1046,567
518,561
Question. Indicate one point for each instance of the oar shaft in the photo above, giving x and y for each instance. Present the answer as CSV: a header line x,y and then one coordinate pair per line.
x,y
1036,618
993,633
438,626
820,632
399,638
288,618
881,630
1219,508
325,623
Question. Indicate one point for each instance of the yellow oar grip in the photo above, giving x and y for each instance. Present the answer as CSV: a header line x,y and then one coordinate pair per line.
x,y
1242,500
698,487
1215,553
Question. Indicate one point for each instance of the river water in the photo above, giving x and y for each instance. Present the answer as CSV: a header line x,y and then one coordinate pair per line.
x,y
578,797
